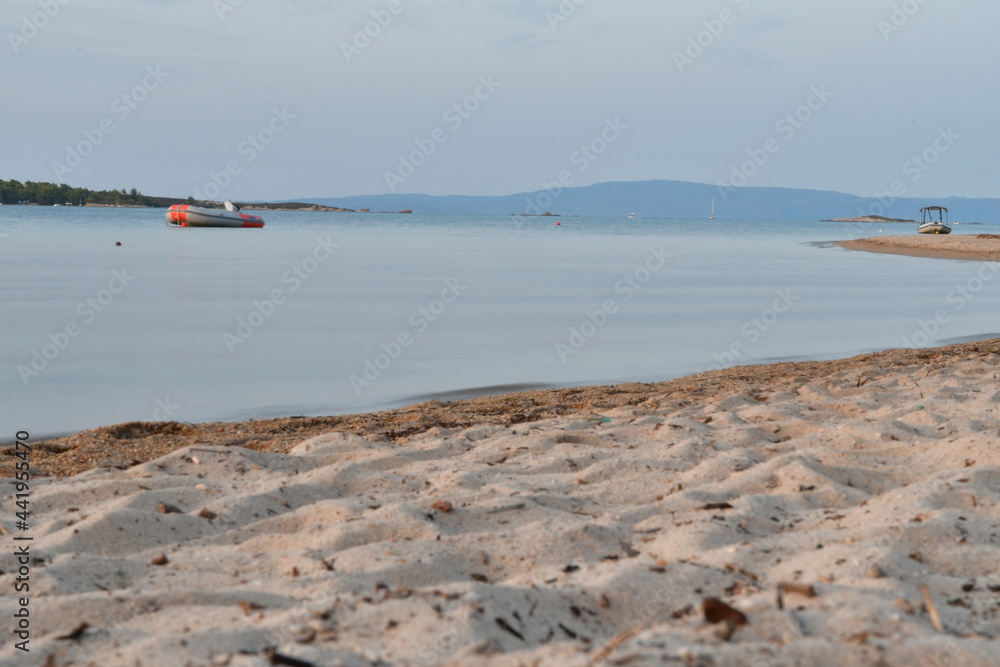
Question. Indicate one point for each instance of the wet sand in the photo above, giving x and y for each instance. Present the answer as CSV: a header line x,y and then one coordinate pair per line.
x,y
976,247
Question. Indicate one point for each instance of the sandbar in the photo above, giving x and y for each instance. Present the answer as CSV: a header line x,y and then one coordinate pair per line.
x,y
976,247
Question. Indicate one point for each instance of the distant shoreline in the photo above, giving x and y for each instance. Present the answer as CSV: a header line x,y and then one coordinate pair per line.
x,y
870,218
166,202
301,206
163,202
37,205
661,199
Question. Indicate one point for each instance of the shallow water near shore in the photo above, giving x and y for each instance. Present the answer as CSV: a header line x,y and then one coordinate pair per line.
x,y
326,313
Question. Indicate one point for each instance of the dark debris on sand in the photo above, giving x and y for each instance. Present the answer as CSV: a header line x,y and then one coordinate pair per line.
x,y
125,445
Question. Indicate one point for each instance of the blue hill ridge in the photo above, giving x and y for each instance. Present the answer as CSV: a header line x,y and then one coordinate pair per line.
x,y
673,199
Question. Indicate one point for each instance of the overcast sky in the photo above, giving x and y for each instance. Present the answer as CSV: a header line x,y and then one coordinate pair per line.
x,y
162,94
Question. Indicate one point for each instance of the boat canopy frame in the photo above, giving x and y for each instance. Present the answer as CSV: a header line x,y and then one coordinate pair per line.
x,y
927,214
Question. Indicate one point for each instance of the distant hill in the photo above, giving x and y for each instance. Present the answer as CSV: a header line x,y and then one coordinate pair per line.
x,y
673,199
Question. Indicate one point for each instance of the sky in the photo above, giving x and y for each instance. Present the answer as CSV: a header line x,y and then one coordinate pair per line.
x,y
292,99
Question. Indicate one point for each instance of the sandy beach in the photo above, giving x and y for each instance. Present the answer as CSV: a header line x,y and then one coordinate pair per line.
x,y
978,247
843,512
523,334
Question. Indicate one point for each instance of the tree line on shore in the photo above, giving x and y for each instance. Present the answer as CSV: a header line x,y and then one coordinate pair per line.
x,y
48,194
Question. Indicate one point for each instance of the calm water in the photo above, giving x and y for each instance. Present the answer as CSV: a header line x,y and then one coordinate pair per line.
x,y
217,324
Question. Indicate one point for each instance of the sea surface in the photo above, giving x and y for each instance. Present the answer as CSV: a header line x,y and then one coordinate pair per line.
x,y
331,313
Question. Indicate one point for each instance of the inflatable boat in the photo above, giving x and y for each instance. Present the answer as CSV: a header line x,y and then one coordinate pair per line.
x,y
930,225
185,215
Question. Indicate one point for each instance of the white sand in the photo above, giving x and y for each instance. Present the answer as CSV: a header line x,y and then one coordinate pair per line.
x,y
563,535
